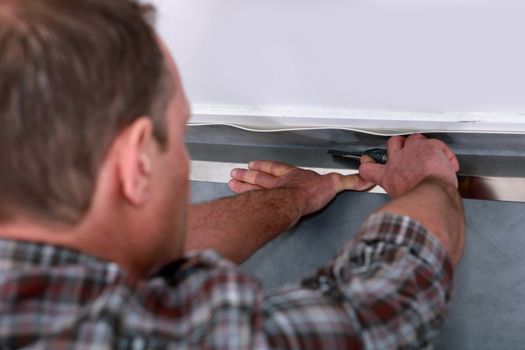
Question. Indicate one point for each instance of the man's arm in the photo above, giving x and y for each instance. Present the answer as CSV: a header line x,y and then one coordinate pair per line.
x,y
389,287
274,196
238,226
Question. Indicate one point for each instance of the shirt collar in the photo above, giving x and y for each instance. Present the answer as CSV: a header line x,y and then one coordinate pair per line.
x,y
17,254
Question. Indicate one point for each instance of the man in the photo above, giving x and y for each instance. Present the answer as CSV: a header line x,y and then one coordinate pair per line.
x,y
95,240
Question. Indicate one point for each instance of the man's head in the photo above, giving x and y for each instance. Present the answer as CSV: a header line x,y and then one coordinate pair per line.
x,y
91,109
73,74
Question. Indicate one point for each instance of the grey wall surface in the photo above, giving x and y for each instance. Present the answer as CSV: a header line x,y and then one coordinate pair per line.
x,y
488,302
378,55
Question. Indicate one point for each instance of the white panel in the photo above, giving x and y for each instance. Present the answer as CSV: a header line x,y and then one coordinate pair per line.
x,y
456,57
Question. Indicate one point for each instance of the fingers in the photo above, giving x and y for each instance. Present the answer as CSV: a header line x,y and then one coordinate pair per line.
x,y
414,137
372,172
441,145
271,167
373,175
450,155
395,143
350,182
253,177
367,159
241,187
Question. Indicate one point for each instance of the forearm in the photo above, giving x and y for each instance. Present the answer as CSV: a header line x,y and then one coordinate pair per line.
x,y
238,226
438,207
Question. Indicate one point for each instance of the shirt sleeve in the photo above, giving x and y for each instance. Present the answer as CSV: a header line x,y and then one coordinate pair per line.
x,y
387,289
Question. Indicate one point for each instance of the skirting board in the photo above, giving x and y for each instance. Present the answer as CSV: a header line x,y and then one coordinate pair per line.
x,y
269,119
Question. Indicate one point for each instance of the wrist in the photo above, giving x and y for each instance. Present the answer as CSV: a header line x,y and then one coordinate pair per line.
x,y
445,185
299,203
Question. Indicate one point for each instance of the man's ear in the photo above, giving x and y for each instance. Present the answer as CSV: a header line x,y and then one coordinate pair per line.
x,y
135,158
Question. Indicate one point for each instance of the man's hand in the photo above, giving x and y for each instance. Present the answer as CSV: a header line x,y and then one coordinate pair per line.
x,y
410,161
313,190
421,177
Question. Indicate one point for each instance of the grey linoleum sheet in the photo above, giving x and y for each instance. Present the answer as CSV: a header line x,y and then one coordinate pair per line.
x,y
488,302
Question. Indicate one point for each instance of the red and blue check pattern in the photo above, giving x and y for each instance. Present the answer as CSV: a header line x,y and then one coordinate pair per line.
x,y
387,289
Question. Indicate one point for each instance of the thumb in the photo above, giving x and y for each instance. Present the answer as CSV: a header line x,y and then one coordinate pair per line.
x,y
372,172
351,182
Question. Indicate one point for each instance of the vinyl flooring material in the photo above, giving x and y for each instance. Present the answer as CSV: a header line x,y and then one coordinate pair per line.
x,y
488,302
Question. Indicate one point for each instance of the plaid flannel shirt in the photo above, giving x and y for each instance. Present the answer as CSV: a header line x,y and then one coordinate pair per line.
x,y
388,288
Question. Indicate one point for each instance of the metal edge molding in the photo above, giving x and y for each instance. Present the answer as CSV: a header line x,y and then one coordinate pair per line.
x,y
471,187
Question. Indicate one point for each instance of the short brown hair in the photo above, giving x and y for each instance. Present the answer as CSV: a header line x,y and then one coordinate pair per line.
x,y
73,74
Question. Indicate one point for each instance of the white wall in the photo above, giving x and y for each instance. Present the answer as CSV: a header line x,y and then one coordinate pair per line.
x,y
315,58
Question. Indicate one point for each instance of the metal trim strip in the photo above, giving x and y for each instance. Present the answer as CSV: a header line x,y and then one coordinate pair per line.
x,y
471,187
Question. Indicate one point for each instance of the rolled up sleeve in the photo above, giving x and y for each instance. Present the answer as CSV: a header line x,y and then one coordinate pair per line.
x,y
387,289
